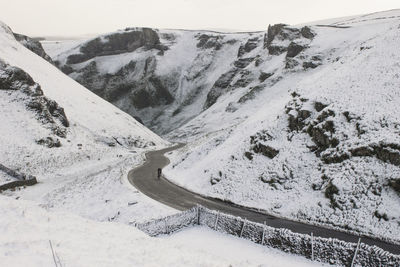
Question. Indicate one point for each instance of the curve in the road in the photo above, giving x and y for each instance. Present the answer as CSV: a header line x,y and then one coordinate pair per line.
x,y
144,178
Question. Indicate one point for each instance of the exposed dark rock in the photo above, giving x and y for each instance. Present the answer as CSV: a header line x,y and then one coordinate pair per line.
x,y
209,41
264,75
138,119
319,106
273,31
395,184
117,43
273,180
319,137
282,32
47,110
222,83
215,180
33,45
15,174
335,158
250,45
243,62
291,63
258,144
325,114
67,69
388,153
304,114
294,49
260,136
265,150
15,78
296,122
307,32
381,216
50,142
232,107
310,65
364,151
248,155
251,94
151,94
276,49
330,191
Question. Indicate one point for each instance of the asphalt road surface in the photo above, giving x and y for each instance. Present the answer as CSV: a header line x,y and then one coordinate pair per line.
x,y
144,178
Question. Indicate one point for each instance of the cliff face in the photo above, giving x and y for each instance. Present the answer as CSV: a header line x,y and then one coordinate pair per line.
x,y
164,78
33,45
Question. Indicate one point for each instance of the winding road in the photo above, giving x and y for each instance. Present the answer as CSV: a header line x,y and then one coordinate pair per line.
x,y
144,178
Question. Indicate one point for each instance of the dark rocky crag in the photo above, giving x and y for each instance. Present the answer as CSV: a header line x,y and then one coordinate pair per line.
x,y
33,45
47,111
160,100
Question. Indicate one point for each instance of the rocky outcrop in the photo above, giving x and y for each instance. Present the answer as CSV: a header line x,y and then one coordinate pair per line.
x,y
207,41
33,45
294,49
280,37
117,43
249,46
149,89
220,86
47,111
322,131
258,145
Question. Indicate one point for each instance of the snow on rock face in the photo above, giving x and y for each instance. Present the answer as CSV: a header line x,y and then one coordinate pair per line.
x,y
300,121
70,139
33,45
320,145
167,77
47,111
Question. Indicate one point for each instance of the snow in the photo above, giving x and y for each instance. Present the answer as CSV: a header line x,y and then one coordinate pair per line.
x,y
85,175
359,74
27,229
55,47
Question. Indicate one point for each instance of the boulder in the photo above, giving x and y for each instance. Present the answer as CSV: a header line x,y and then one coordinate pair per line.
x,y
294,49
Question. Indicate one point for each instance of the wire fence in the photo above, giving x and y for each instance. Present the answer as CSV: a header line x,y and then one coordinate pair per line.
x,y
328,250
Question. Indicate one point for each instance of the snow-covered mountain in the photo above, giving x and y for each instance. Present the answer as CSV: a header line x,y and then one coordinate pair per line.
x,y
301,121
77,145
167,77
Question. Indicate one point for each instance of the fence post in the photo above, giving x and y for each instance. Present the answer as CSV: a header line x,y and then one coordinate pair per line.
x,y
216,221
263,235
355,253
198,214
244,223
166,226
312,246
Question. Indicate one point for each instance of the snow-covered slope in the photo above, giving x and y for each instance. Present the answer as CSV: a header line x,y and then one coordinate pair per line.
x,y
30,235
300,121
93,122
163,77
319,145
78,146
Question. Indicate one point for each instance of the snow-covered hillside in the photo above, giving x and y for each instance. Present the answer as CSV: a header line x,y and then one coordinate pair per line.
x,y
78,146
30,234
319,145
301,121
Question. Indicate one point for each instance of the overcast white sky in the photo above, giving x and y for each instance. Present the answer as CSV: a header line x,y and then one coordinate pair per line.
x,y
77,17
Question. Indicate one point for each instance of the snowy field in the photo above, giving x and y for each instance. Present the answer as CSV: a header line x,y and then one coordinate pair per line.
x,y
27,229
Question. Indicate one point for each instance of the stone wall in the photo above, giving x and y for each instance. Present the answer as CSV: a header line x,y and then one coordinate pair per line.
x,y
328,250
